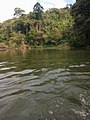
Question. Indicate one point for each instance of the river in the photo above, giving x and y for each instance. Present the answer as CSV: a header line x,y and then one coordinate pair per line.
x,y
45,85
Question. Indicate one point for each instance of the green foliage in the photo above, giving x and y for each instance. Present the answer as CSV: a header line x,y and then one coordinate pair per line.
x,y
81,15
17,38
31,36
19,26
53,27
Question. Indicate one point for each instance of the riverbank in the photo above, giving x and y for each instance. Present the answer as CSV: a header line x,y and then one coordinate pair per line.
x,y
65,46
4,46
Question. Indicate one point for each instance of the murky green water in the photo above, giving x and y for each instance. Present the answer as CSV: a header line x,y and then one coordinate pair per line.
x,y
45,85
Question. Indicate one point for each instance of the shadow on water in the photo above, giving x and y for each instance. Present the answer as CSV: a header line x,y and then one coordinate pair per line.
x,y
45,85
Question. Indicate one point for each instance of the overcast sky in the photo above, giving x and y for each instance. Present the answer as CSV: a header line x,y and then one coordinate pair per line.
x,y
7,6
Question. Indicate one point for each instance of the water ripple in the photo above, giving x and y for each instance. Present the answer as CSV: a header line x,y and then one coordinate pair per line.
x,y
15,93
39,85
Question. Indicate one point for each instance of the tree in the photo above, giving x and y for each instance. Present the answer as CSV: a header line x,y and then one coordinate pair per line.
x,y
81,14
38,9
19,26
18,12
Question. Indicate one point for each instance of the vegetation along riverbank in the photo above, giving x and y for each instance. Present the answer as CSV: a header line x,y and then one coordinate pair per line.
x,y
69,26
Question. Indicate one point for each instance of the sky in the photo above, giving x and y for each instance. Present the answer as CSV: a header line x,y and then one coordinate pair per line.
x,y
7,6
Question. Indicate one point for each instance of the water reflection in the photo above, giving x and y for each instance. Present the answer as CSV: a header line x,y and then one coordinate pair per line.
x,y
45,85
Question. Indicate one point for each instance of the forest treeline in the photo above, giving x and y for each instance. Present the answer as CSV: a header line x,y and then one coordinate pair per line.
x,y
53,27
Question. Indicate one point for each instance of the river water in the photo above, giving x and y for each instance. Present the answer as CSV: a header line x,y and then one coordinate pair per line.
x,y
45,85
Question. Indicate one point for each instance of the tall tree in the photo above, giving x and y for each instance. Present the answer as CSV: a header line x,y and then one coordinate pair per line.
x,y
38,9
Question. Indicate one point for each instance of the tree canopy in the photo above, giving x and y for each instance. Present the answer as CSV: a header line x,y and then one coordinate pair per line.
x,y
18,12
52,27
38,9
